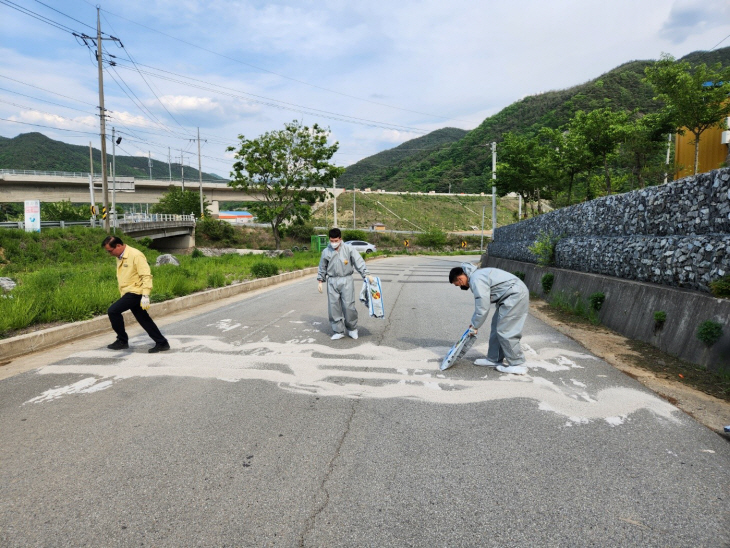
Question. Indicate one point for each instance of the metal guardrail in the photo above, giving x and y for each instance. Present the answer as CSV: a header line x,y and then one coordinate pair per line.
x,y
153,218
127,218
51,224
52,173
97,177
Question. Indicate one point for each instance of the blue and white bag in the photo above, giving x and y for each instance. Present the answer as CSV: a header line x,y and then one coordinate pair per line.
x,y
372,296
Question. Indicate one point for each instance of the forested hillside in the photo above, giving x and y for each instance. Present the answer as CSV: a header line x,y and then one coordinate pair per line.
x,y
370,170
466,164
35,151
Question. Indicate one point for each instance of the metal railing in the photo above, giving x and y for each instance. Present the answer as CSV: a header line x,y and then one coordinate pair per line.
x,y
97,176
154,218
127,218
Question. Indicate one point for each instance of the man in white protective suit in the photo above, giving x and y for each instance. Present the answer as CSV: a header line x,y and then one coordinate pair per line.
x,y
336,267
512,301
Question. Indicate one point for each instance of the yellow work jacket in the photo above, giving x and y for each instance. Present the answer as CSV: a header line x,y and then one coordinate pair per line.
x,y
133,272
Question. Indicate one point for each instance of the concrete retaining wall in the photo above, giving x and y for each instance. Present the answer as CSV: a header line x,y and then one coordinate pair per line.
x,y
630,305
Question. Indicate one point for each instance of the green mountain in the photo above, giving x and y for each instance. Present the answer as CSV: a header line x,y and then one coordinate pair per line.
x,y
35,151
370,170
466,164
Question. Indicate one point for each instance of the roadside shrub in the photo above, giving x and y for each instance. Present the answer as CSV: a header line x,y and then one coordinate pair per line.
x,y
147,242
659,318
432,238
196,254
214,230
264,269
299,230
596,300
520,275
216,279
709,332
544,248
721,287
355,235
573,303
547,282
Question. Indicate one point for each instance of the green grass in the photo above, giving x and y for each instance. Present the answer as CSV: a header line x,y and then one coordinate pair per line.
x,y
65,275
574,304
411,211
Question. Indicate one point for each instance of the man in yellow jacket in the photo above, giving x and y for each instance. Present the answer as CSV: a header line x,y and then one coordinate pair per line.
x,y
135,284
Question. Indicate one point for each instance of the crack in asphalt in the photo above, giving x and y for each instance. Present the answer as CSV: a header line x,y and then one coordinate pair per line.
x,y
323,484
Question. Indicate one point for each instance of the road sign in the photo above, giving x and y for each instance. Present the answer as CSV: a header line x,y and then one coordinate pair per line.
x,y
406,243
463,244
32,215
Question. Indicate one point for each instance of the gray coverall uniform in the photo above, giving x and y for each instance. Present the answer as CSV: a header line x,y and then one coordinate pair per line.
x,y
512,301
336,267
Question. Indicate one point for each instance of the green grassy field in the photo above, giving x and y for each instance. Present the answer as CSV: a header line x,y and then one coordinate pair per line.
x,y
454,213
65,275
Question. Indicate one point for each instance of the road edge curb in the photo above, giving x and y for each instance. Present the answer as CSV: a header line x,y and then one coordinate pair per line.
x,y
43,339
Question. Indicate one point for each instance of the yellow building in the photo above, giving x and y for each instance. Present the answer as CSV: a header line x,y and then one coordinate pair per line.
x,y
713,151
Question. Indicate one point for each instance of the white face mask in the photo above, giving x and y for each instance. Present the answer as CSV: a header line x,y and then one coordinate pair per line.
x,y
335,245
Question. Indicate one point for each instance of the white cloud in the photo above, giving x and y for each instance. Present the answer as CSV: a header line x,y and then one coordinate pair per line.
x,y
693,17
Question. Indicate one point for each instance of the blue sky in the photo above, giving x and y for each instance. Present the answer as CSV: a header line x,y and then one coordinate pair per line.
x,y
376,73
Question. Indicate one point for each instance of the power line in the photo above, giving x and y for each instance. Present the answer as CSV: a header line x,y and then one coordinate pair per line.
x,y
47,90
48,127
65,15
37,16
276,103
284,76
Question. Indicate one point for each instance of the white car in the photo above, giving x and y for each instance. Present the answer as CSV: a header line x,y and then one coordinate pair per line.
x,y
361,247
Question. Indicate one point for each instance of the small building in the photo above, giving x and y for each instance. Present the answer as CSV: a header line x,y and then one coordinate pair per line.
x,y
377,227
236,217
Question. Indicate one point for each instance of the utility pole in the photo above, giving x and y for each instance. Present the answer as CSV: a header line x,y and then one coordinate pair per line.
x,y
182,171
494,188
149,162
200,174
354,191
334,200
169,165
114,181
102,116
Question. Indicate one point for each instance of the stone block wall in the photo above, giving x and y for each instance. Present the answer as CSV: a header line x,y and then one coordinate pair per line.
x,y
676,234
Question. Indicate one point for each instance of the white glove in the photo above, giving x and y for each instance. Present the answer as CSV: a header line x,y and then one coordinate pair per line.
x,y
319,287
371,279
145,302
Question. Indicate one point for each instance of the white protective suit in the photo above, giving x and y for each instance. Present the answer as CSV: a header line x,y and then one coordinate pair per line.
x,y
512,301
336,267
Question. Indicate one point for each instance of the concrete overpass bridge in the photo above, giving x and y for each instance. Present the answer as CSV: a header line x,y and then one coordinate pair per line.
x,y
20,185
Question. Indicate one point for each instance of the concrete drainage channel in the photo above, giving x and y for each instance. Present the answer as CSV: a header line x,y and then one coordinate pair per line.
x,y
46,338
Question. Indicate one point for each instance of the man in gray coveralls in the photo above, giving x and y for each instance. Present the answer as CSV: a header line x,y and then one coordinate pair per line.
x,y
512,301
336,266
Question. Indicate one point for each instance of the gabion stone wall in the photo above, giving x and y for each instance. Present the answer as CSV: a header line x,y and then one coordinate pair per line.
x,y
676,234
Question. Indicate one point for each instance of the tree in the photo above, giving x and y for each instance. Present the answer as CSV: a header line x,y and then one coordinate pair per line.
x,y
645,141
283,168
516,167
603,129
697,98
177,201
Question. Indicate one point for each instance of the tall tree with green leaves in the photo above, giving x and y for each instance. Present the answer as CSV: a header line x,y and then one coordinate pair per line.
x,y
177,201
516,168
283,168
603,130
696,97
644,146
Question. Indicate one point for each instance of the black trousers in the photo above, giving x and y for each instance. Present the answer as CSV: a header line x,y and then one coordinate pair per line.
x,y
130,301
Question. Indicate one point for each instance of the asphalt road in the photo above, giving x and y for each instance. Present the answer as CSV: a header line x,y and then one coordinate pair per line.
x,y
258,430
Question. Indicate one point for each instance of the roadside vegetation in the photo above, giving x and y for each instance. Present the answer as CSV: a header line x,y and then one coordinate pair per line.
x,y
65,275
